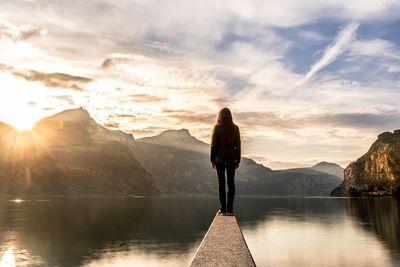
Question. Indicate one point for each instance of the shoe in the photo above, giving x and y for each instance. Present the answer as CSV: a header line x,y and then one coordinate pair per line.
x,y
230,213
221,212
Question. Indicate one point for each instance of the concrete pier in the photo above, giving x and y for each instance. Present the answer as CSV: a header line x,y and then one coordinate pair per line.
x,y
223,245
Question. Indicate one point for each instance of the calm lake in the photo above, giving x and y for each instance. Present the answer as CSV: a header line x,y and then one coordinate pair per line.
x,y
167,231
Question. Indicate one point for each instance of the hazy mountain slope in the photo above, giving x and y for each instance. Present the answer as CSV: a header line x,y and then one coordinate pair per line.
x,y
330,168
180,164
69,153
377,172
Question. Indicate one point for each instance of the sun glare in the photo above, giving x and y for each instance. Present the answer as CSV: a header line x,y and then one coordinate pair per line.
x,y
23,124
8,259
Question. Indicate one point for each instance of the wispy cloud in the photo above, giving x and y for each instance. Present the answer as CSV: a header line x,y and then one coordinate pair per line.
x,y
66,98
116,58
311,35
16,33
375,48
343,39
55,79
142,98
394,69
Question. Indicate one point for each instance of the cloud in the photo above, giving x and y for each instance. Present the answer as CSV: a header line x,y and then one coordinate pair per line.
x,y
384,119
123,115
141,98
394,69
189,116
379,120
166,78
116,58
259,120
148,131
15,33
343,39
111,124
55,79
375,48
4,67
286,124
147,98
164,48
311,36
66,98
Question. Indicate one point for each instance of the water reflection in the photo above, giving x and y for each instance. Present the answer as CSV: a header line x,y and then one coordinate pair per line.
x,y
167,231
380,216
321,232
8,259
73,232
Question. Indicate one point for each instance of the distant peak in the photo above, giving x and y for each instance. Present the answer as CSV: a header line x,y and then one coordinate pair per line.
x,y
325,163
80,111
76,114
180,132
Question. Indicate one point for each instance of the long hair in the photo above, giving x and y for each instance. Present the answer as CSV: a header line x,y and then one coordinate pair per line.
x,y
224,117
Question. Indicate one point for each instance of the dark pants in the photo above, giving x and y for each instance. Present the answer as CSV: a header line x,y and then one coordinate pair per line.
x,y
229,166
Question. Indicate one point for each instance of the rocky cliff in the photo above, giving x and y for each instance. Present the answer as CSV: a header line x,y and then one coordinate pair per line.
x,y
377,173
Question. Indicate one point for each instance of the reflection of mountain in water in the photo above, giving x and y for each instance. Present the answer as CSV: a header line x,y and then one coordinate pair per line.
x,y
252,211
68,232
72,232
381,216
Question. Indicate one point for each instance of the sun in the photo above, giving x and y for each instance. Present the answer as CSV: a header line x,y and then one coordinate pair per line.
x,y
20,118
23,123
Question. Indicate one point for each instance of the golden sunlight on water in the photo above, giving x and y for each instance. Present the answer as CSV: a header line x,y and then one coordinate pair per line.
x,y
8,259
296,232
285,242
136,257
17,200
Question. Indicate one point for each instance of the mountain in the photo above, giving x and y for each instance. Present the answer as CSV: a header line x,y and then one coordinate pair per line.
x,y
331,168
70,154
377,172
180,164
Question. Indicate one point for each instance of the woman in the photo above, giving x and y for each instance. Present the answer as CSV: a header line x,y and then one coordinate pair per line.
x,y
225,155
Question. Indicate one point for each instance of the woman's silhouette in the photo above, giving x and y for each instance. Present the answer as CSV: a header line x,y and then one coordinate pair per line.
x,y
225,155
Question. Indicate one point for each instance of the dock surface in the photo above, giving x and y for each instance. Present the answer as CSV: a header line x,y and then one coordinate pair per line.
x,y
223,245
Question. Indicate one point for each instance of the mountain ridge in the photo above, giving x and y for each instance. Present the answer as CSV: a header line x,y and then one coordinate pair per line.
x,y
329,167
185,167
79,156
70,154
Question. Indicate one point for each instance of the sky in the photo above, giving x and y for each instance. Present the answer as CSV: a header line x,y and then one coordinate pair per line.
x,y
307,81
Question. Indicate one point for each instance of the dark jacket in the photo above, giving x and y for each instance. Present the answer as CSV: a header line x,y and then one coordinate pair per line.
x,y
225,142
